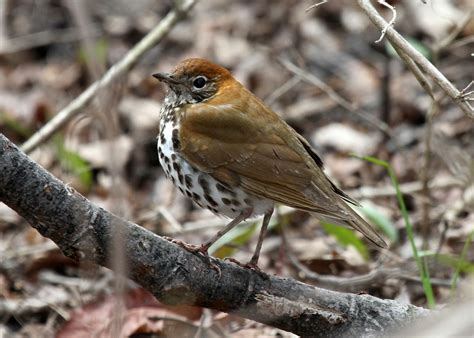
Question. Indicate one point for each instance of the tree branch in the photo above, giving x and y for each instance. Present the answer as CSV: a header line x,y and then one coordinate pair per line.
x,y
427,67
111,76
83,231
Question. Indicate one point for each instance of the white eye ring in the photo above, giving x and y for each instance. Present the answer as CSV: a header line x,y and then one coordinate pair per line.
x,y
199,82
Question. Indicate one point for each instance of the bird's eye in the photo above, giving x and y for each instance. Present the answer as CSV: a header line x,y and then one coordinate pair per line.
x,y
199,82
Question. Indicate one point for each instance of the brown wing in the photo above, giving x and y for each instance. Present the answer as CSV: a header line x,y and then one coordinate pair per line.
x,y
319,162
264,154
255,149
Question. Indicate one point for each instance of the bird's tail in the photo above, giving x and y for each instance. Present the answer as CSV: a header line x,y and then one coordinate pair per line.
x,y
363,227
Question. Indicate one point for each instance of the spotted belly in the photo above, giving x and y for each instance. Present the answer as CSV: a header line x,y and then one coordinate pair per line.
x,y
201,187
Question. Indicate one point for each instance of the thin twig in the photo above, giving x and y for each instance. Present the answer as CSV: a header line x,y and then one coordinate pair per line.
x,y
315,5
405,188
17,44
447,40
111,76
390,23
427,67
308,77
416,71
361,282
282,90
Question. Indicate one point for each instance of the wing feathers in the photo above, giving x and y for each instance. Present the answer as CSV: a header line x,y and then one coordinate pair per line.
x,y
266,159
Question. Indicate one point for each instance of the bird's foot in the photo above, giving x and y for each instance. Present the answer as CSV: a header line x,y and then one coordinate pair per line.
x,y
250,265
197,249
189,247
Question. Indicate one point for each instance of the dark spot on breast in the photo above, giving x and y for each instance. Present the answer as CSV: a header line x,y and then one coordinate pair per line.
x,y
204,184
233,210
181,179
181,189
172,179
173,157
196,197
162,138
188,193
160,153
222,188
175,139
189,181
176,167
214,210
210,200
248,201
226,201
167,160
235,202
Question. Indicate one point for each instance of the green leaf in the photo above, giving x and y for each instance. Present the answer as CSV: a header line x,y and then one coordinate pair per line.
x,y
13,124
420,261
237,237
99,53
346,237
418,45
458,263
451,260
73,163
370,211
241,234
462,265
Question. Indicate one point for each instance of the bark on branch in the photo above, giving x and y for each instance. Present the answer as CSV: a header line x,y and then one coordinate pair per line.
x,y
83,231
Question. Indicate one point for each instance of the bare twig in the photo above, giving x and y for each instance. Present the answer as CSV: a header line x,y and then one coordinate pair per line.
x,y
315,5
427,67
17,44
282,89
446,41
308,77
405,188
111,76
361,282
419,75
390,23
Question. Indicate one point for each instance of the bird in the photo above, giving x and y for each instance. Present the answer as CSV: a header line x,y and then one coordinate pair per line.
x,y
225,149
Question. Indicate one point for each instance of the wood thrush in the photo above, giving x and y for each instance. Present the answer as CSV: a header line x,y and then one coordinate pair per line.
x,y
227,151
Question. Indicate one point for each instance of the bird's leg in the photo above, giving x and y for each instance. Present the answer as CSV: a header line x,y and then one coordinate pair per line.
x,y
203,248
242,216
252,264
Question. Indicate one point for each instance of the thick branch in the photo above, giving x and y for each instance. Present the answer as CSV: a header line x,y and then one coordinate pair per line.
x,y
111,76
83,231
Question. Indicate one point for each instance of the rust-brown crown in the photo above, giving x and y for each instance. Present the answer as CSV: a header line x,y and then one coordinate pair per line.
x,y
195,66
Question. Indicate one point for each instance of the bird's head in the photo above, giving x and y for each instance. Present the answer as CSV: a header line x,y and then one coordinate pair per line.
x,y
194,80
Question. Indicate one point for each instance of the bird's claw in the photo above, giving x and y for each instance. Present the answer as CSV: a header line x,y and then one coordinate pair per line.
x,y
196,249
250,265
189,247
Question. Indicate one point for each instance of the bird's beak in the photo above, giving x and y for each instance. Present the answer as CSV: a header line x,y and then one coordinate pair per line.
x,y
166,78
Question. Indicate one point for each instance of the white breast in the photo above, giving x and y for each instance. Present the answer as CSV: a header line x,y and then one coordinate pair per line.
x,y
202,188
